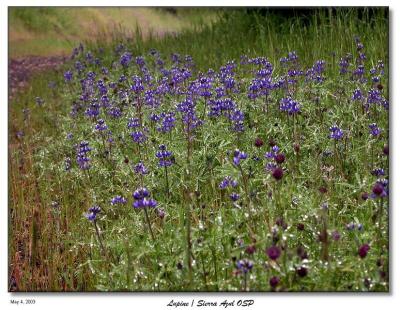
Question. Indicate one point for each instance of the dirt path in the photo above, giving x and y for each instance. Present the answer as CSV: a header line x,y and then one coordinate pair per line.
x,y
21,70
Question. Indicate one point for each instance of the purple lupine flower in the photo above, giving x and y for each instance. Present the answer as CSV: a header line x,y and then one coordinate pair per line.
x,y
238,156
101,125
125,59
234,196
289,105
336,132
138,137
168,122
118,200
357,94
137,85
133,122
165,157
270,167
92,213
344,65
228,181
374,130
68,75
142,200
378,172
140,168
237,118
81,157
115,112
244,265
374,96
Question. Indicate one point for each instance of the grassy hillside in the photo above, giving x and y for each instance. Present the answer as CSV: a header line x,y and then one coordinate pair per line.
x,y
56,30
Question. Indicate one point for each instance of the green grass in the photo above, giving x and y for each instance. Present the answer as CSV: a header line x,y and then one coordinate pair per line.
x,y
60,247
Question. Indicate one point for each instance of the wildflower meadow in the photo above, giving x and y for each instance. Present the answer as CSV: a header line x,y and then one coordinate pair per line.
x,y
249,154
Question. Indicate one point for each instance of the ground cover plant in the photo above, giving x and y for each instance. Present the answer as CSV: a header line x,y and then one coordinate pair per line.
x,y
249,155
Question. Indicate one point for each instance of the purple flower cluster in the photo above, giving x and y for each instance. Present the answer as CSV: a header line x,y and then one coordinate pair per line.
x,y
289,106
336,132
82,155
92,213
142,200
244,265
118,200
238,156
228,181
164,156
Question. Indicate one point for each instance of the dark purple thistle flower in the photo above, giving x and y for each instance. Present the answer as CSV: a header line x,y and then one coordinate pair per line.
x,y
280,158
277,173
363,250
274,281
92,213
165,157
238,156
379,189
140,168
336,132
302,271
258,142
301,252
118,200
364,196
244,265
386,150
300,226
250,249
273,252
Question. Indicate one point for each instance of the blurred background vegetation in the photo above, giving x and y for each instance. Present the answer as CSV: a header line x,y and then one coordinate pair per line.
x,y
48,31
